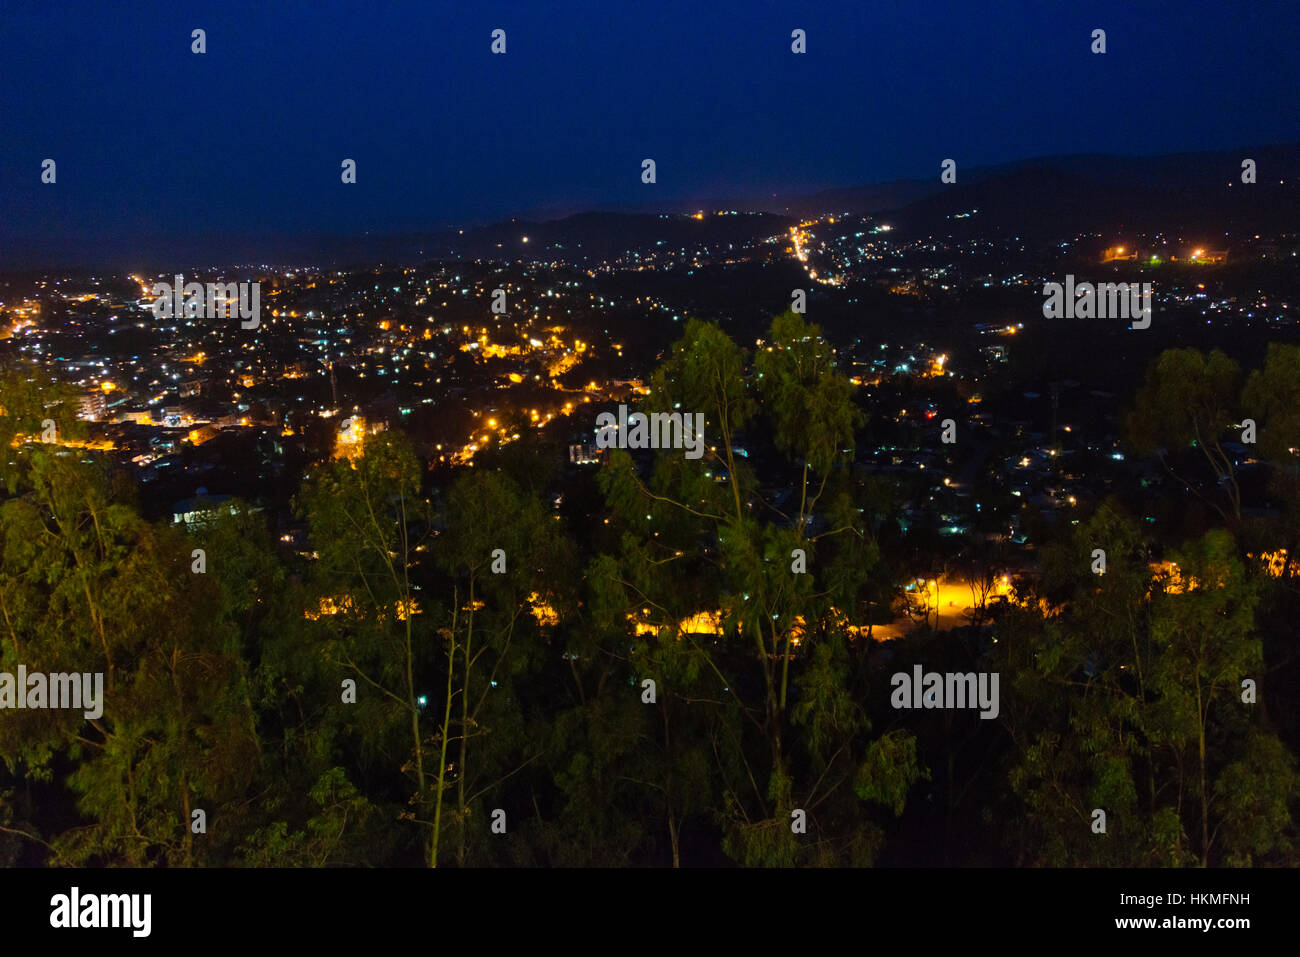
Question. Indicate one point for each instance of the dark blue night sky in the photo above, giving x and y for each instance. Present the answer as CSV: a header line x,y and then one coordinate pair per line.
x,y
152,140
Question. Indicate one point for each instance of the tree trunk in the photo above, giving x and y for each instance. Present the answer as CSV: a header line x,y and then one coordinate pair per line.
x,y
464,732
668,786
446,722
1205,805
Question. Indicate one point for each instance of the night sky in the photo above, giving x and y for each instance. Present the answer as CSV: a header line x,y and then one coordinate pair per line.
x,y
152,140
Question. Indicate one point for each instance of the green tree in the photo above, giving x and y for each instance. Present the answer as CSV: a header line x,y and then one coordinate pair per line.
x,y
503,553
1124,694
1188,402
710,538
368,526
90,587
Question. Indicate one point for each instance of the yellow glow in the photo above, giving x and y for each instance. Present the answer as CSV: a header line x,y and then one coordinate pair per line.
x,y
542,610
330,606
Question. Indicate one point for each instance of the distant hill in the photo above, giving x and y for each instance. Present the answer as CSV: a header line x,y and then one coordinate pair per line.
x,y
1198,194
856,199
602,236
590,237
1044,198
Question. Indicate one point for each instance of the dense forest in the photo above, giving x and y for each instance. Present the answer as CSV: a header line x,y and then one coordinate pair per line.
x,y
459,673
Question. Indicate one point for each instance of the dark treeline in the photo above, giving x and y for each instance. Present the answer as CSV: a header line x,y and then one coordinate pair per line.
x,y
456,675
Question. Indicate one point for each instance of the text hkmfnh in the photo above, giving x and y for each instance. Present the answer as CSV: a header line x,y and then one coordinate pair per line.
x,y
1106,300
103,910
661,430
57,690
935,690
